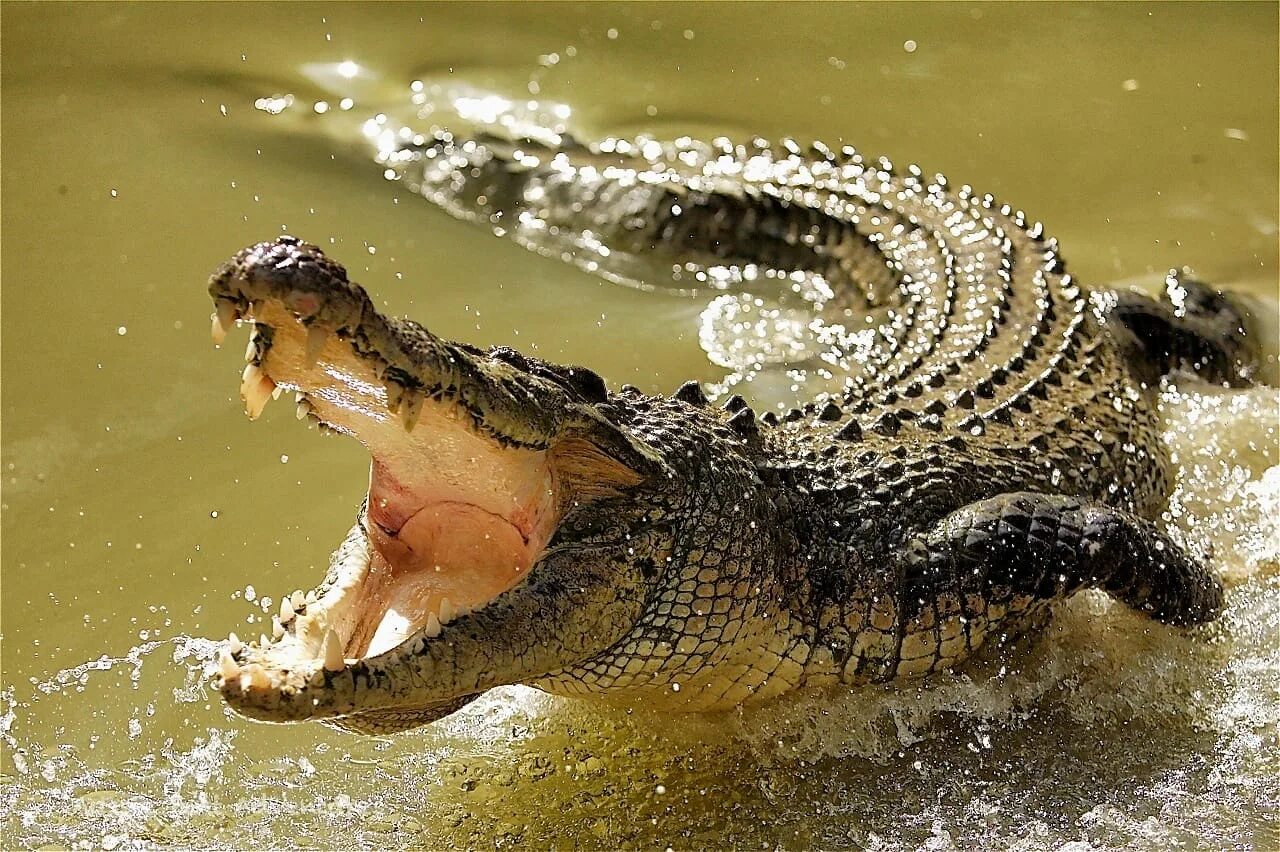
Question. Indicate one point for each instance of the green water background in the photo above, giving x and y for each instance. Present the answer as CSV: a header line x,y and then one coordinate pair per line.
x,y
139,503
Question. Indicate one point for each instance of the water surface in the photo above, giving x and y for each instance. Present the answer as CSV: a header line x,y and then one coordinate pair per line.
x,y
142,511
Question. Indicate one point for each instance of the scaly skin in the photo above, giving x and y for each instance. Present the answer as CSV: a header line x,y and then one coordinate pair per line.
x,y
995,449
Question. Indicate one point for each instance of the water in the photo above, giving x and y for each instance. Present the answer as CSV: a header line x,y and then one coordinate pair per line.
x,y
139,504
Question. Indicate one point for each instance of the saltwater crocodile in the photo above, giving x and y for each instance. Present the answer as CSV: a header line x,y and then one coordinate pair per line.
x,y
994,447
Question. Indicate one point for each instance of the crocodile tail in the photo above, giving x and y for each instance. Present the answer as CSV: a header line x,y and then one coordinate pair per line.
x,y
1193,327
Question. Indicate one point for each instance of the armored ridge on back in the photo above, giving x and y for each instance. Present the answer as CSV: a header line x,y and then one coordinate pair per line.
x,y
994,448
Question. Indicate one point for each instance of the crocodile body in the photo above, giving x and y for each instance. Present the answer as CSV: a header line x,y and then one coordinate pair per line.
x,y
989,444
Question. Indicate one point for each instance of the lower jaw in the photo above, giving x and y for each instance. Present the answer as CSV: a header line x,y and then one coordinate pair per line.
x,y
306,643
368,606
390,721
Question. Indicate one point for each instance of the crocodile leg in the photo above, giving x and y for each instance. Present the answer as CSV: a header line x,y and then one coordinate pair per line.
x,y
1001,561
1193,327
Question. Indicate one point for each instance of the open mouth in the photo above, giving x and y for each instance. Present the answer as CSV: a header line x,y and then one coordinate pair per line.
x,y
471,472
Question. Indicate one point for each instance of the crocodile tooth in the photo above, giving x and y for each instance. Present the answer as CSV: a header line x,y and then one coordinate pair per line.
x,y
395,393
433,625
301,409
255,389
447,612
251,350
299,396
233,643
266,393
311,596
228,668
734,404
316,337
286,610
223,317
263,641
333,652
254,676
277,628
310,631
410,409
297,600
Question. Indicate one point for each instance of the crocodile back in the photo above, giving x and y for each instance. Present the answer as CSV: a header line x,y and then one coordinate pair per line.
x,y
937,318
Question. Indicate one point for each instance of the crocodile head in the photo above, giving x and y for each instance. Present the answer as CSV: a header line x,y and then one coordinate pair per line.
x,y
506,536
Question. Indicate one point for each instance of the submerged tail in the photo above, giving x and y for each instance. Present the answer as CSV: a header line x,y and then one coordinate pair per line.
x,y
1193,327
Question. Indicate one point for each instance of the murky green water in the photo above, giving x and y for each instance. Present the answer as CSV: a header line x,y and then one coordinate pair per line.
x,y
139,504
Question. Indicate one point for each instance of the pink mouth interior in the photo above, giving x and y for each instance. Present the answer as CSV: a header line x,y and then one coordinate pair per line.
x,y
454,519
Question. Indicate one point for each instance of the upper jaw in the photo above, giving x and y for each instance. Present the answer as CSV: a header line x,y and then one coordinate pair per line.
x,y
288,282
292,287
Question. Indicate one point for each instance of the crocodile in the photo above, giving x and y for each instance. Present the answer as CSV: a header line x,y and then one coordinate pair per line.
x,y
992,446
